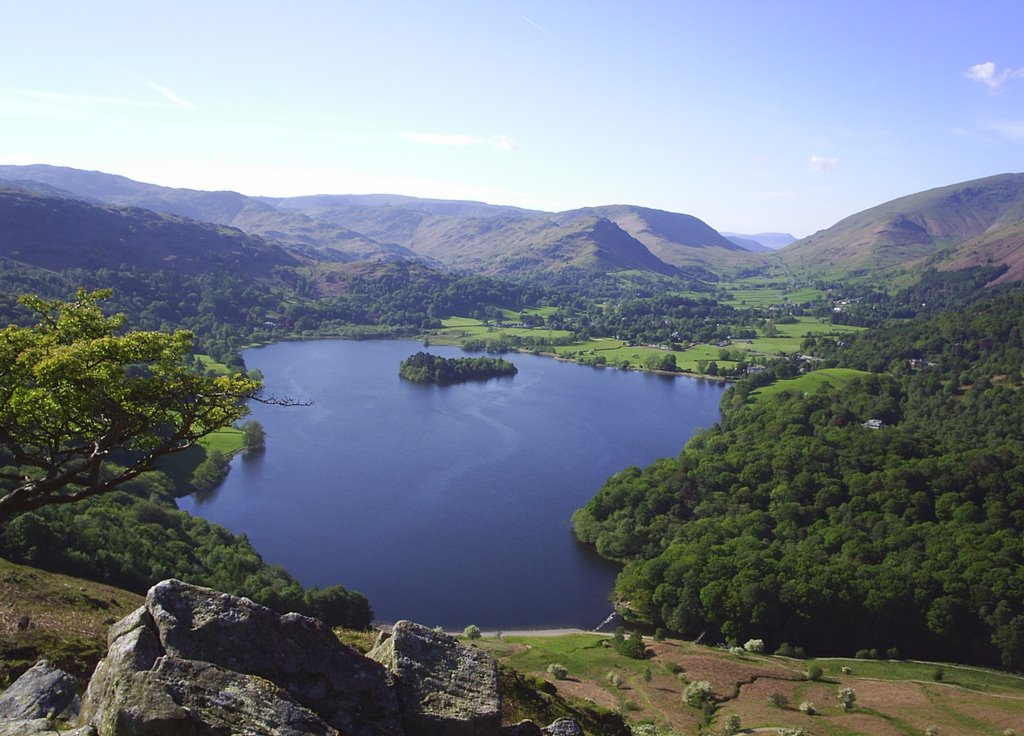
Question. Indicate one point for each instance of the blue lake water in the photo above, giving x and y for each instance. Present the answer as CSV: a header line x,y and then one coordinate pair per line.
x,y
447,505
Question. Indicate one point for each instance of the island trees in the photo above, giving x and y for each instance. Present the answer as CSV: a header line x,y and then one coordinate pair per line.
x,y
75,393
427,368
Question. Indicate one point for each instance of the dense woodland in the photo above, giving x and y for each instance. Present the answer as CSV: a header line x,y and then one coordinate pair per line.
x,y
793,522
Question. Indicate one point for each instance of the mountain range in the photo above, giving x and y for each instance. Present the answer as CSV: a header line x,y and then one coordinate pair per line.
x,y
980,222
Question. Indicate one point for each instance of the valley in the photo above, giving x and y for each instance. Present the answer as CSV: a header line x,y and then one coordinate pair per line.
x,y
847,485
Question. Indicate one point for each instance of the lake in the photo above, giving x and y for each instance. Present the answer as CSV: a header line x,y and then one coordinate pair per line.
x,y
447,505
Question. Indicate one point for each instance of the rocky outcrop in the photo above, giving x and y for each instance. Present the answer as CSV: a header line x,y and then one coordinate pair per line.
x,y
198,662
42,692
444,688
192,659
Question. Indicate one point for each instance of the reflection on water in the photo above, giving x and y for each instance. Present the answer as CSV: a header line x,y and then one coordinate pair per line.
x,y
446,504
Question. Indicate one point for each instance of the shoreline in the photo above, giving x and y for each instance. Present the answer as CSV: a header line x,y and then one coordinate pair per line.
x,y
451,344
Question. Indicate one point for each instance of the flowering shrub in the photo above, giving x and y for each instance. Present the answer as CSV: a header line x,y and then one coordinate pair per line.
x,y
697,693
846,697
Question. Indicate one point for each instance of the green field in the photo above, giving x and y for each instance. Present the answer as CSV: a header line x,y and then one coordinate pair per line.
x,y
457,329
748,295
811,382
208,365
615,353
180,465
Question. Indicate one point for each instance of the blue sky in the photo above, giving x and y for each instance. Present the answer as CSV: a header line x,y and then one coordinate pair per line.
x,y
753,116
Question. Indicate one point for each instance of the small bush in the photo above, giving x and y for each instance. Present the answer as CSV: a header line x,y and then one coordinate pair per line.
x,y
697,693
808,708
779,700
614,680
892,653
660,634
846,670
675,668
932,730
863,654
732,724
738,651
788,650
471,632
939,674
814,672
632,647
875,653
792,732
754,645
648,675
846,697
558,671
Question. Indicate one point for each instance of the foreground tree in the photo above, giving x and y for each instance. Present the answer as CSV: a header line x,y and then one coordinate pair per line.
x,y
74,392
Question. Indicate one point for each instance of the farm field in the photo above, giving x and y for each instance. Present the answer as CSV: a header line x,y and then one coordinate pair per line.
x,y
892,697
786,339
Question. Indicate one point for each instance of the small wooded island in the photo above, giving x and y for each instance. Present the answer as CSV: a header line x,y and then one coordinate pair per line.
x,y
427,368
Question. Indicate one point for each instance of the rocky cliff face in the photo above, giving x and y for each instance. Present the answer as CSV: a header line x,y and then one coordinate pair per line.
x,y
195,662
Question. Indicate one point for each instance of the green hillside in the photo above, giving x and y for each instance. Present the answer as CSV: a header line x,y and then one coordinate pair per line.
x,y
943,226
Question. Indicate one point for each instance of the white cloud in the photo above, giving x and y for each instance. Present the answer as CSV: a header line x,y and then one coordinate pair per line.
x,y
170,96
817,164
987,74
497,142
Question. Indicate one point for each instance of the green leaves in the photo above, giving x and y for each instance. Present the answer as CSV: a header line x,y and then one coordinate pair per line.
x,y
73,391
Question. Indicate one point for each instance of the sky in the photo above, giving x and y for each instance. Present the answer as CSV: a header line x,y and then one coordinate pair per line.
x,y
753,115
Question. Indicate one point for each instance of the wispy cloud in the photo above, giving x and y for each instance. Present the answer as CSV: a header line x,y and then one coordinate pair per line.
x,y
987,74
543,30
1012,129
86,100
817,164
170,96
497,142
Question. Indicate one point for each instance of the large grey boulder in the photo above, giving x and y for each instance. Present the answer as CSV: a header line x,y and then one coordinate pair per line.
x,y
43,691
564,727
195,661
444,688
297,653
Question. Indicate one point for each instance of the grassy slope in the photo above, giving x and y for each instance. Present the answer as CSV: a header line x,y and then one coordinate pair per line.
x,y
902,234
892,697
68,620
